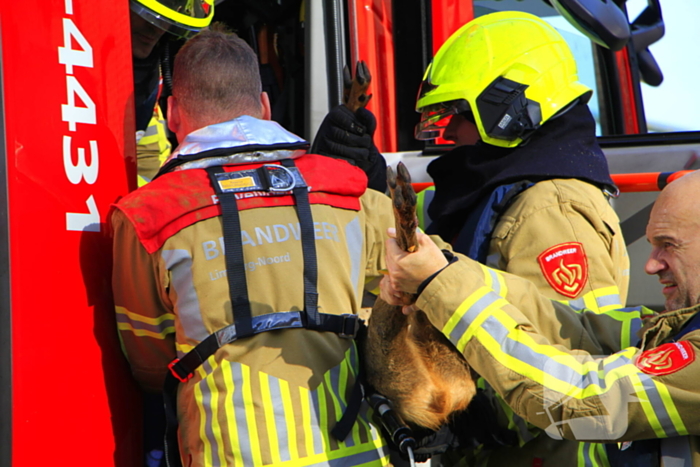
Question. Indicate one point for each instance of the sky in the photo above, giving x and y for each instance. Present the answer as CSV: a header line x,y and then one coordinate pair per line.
x,y
675,104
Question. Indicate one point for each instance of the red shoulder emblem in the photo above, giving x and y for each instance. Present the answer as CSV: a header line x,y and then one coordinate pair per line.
x,y
565,267
666,359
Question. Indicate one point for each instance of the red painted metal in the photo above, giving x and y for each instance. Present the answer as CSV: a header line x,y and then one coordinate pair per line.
x,y
372,40
627,95
73,399
447,17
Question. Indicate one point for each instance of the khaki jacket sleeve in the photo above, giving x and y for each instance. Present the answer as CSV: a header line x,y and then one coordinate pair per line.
x,y
379,216
507,332
144,315
555,216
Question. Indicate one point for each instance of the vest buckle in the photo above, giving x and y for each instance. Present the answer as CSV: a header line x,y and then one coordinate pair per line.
x,y
178,373
349,326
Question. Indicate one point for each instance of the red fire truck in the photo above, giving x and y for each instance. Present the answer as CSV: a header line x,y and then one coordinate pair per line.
x,y
68,153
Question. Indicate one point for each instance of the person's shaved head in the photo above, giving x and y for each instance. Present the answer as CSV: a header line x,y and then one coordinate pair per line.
x,y
674,233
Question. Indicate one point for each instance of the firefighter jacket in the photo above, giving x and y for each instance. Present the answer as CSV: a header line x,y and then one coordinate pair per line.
x,y
272,398
521,343
152,147
562,235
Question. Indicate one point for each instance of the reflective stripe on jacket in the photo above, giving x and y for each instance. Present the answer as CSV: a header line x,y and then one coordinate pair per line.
x,y
520,342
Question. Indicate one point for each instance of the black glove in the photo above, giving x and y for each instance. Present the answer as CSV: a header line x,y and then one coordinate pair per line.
x,y
346,135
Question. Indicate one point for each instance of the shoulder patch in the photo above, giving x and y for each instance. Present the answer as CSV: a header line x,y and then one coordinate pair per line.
x,y
666,359
565,267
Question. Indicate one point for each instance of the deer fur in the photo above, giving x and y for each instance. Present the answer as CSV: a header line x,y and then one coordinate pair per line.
x,y
406,358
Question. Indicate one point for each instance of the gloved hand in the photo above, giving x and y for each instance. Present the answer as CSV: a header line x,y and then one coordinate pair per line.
x,y
346,135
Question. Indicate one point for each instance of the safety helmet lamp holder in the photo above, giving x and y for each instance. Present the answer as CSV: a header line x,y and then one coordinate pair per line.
x,y
181,18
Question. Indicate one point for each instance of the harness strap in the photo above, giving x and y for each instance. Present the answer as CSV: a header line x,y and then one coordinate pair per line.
x,y
235,266
308,247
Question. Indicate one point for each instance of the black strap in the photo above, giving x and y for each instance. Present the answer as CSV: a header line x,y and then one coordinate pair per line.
x,y
308,247
235,265
342,428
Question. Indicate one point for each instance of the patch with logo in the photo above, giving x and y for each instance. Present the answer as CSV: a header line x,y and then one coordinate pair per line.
x,y
565,267
666,359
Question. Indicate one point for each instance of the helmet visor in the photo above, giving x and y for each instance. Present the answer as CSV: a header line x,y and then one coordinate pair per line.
x,y
182,18
435,118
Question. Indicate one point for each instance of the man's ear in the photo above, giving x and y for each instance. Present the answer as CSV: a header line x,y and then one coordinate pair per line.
x,y
173,117
266,107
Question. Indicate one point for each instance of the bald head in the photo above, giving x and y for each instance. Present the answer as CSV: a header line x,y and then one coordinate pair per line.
x,y
674,234
680,196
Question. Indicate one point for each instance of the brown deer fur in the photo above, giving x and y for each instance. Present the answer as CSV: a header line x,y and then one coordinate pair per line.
x,y
406,358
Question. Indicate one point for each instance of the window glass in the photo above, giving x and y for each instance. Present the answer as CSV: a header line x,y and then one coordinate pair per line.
x,y
675,104
581,46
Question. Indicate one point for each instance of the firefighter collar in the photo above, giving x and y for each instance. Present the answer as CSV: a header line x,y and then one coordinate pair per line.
x,y
239,134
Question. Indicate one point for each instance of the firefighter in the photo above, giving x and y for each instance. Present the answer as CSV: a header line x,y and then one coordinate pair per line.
x,y
527,188
520,342
150,20
238,272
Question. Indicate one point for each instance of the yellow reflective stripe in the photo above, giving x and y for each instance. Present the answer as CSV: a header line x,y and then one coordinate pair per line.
x,y
538,374
290,419
230,411
144,319
580,455
671,408
498,285
602,454
146,333
249,407
346,454
422,208
322,415
206,419
476,324
607,298
173,15
335,401
360,422
184,348
269,413
457,316
340,390
306,420
647,406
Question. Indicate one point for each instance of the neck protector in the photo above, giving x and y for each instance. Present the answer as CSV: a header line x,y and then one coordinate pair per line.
x,y
564,147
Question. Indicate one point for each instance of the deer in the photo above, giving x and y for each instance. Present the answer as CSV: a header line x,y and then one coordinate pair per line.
x,y
405,358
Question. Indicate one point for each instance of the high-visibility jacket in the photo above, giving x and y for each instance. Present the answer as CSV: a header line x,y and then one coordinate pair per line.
x,y
152,147
564,237
520,342
273,398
